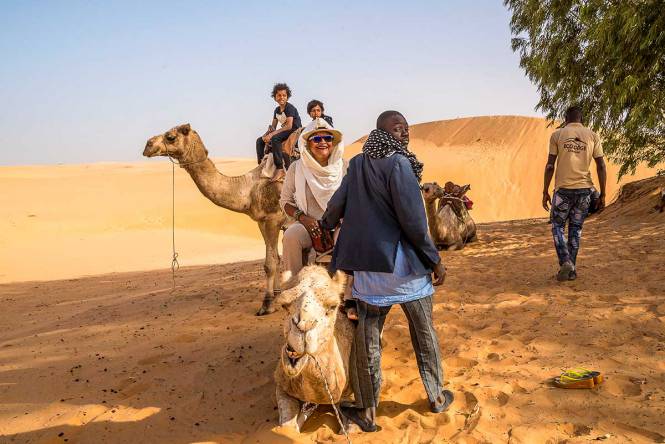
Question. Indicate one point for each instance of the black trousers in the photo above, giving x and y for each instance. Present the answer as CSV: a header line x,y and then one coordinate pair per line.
x,y
366,356
277,154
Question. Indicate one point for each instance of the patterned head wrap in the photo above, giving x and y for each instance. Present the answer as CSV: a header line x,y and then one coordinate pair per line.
x,y
381,143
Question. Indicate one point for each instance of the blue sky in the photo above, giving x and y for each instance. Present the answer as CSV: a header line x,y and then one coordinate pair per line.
x,y
91,81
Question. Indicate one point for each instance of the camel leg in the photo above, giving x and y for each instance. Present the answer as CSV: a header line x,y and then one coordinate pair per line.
x,y
270,233
289,410
455,246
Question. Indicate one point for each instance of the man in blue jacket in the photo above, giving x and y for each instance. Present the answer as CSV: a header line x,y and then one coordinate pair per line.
x,y
385,242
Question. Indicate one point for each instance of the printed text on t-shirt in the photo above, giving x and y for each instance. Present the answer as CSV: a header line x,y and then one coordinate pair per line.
x,y
574,145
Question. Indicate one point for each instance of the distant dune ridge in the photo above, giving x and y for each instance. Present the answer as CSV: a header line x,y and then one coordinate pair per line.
x,y
502,157
65,221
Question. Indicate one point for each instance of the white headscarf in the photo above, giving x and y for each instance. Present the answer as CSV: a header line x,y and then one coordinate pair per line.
x,y
323,181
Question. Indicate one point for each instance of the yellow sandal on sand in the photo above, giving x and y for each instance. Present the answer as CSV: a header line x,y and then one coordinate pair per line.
x,y
580,372
570,382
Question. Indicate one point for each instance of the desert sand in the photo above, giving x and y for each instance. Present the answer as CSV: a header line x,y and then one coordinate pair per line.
x,y
67,221
118,356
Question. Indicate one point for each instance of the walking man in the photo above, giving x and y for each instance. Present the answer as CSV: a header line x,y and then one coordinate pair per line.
x,y
385,243
572,148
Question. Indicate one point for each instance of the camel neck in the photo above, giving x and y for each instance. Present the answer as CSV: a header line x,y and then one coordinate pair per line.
x,y
430,209
225,191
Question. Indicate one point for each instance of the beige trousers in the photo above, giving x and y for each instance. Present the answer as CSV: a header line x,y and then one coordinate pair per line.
x,y
296,245
297,252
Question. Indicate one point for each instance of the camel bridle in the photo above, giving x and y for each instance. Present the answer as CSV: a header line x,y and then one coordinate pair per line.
x,y
187,153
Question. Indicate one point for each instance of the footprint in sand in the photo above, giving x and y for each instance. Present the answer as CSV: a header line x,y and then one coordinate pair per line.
x,y
493,397
186,338
458,361
434,421
622,386
155,359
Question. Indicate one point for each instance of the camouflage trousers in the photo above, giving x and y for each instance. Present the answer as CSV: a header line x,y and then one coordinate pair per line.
x,y
571,206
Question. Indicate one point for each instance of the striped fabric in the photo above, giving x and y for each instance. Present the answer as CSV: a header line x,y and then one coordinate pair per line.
x,y
365,365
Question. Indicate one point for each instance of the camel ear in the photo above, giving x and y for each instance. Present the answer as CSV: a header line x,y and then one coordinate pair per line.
x,y
288,280
184,129
339,280
286,297
465,188
288,294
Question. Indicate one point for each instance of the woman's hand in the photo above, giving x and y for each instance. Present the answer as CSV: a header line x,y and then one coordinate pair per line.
x,y
311,224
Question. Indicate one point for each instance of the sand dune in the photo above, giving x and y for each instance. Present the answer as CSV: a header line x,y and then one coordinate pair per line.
x,y
635,202
67,221
121,358
502,157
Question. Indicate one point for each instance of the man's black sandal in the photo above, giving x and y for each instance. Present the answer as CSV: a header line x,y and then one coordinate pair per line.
x,y
353,414
441,405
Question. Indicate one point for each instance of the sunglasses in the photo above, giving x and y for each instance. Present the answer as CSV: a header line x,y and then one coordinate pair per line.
x,y
326,138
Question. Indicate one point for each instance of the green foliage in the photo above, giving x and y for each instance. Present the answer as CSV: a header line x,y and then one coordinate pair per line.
x,y
607,56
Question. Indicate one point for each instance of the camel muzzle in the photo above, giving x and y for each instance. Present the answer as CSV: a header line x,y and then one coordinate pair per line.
x,y
150,149
292,355
292,361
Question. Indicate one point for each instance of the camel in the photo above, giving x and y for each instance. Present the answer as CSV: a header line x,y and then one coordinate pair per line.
x,y
249,194
450,225
315,331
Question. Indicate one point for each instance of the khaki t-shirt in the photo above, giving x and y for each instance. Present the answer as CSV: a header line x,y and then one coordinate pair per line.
x,y
575,146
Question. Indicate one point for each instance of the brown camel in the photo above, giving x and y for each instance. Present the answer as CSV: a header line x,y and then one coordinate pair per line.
x,y
250,194
450,225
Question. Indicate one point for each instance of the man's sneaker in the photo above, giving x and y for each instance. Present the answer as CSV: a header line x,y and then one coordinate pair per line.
x,y
572,276
565,270
442,402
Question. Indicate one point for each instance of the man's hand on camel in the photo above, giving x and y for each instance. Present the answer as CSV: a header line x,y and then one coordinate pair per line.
x,y
267,137
439,274
310,224
547,200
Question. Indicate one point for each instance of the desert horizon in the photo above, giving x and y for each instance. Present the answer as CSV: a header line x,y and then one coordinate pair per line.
x,y
116,216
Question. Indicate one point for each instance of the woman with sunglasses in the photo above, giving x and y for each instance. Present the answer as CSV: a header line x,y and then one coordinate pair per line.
x,y
309,183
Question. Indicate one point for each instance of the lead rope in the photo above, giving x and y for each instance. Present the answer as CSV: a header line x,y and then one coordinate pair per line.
x,y
175,266
332,402
174,259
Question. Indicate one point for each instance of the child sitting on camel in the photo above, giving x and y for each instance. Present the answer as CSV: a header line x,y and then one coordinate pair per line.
x,y
287,116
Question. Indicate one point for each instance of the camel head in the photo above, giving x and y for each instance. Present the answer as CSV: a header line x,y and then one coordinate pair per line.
x,y
312,299
180,142
431,191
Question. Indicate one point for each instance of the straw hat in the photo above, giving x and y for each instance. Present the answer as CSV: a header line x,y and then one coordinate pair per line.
x,y
322,127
